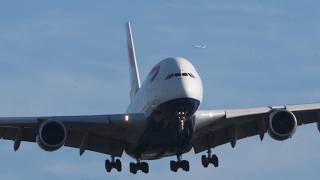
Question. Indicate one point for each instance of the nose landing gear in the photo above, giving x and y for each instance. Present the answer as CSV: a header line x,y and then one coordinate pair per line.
x,y
209,159
183,164
183,130
135,167
114,163
182,139
181,119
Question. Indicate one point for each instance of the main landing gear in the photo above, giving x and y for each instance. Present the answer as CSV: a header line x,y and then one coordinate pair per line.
x,y
114,163
209,159
135,167
183,164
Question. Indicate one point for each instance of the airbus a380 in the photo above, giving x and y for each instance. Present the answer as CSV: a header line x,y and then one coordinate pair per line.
x,y
163,119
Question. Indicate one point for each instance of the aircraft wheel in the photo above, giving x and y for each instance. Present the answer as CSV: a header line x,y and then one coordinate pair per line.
x,y
185,165
215,160
144,167
108,166
204,161
173,166
118,165
133,168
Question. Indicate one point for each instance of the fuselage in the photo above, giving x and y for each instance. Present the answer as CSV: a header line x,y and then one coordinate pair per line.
x,y
169,96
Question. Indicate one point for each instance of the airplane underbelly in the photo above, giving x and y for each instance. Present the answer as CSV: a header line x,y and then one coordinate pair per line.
x,y
158,147
162,136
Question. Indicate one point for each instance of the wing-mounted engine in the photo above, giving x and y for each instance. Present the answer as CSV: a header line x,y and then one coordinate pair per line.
x,y
51,135
282,124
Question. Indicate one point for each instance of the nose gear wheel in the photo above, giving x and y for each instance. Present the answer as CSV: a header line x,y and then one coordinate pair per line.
x,y
113,164
183,164
209,159
135,167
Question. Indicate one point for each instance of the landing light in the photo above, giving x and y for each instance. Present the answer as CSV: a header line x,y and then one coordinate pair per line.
x,y
126,118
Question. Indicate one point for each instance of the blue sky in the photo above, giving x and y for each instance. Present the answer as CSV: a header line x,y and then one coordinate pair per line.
x,y
69,58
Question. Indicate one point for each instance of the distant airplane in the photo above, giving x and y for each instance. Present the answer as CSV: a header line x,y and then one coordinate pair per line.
x,y
163,119
201,46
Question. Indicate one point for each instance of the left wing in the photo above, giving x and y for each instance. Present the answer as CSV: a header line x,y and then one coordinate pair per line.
x,y
107,134
217,127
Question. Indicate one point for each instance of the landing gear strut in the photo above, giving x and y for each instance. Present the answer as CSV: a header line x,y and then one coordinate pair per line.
x,y
114,163
209,159
182,119
182,128
183,164
135,167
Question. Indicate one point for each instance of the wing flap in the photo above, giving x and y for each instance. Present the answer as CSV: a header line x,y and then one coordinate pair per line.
x,y
95,143
10,133
212,139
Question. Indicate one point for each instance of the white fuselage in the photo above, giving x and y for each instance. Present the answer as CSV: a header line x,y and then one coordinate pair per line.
x,y
172,89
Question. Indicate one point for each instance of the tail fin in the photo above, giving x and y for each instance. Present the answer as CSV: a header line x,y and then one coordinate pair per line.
x,y
134,73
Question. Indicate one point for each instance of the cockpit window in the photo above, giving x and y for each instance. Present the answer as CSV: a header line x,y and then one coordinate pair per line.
x,y
191,75
169,76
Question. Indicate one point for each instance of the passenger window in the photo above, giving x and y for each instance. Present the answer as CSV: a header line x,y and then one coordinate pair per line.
x,y
184,74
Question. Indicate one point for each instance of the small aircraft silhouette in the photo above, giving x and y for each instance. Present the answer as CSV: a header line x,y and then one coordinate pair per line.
x,y
201,46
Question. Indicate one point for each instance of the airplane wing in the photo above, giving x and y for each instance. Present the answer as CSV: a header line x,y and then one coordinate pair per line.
x,y
100,133
217,127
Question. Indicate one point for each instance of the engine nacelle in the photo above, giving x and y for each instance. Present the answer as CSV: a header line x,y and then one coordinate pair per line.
x,y
282,124
51,135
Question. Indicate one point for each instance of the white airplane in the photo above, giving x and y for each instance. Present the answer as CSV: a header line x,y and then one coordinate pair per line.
x,y
201,46
163,119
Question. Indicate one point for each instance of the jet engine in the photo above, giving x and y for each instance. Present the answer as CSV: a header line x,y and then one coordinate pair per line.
x,y
51,135
282,124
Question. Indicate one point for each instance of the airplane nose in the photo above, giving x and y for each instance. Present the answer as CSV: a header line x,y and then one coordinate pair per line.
x,y
191,88
181,80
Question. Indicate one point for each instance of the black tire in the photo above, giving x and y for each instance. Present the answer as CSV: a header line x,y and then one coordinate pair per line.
x,y
133,168
185,165
108,166
204,161
173,166
144,167
118,165
215,161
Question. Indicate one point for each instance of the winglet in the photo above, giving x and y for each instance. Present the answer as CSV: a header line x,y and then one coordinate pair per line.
x,y
133,67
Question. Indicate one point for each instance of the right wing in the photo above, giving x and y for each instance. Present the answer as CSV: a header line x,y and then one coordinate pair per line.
x,y
107,134
218,127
